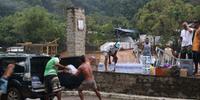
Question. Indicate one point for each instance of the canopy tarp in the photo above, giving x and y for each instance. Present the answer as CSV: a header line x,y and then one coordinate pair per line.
x,y
120,30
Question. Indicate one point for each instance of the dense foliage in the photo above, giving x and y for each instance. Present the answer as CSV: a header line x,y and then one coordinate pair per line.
x,y
164,17
33,24
44,20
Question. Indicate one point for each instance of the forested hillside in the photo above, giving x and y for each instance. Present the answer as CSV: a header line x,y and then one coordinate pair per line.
x,y
44,20
118,8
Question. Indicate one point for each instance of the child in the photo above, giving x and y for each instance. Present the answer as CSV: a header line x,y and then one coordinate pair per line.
x,y
168,54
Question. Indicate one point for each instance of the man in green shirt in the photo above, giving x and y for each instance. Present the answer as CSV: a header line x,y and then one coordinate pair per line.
x,y
51,81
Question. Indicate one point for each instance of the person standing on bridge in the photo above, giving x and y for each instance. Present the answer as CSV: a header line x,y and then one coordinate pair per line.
x,y
146,51
196,47
186,41
89,83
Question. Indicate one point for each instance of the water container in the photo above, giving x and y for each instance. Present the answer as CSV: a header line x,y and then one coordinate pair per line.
x,y
146,69
124,68
101,67
111,67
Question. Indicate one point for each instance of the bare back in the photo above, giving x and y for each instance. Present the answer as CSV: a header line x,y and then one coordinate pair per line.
x,y
86,70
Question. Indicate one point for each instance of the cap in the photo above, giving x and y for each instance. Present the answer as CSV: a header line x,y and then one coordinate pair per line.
x,y
117,45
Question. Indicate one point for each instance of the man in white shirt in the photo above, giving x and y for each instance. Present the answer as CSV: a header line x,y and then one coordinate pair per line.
x,y
186,41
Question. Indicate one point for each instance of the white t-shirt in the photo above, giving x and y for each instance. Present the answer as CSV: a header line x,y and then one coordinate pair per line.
x,y
72,69
111,49
168,53
186,37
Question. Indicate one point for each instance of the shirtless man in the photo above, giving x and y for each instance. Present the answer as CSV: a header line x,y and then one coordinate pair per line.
x,y
89,82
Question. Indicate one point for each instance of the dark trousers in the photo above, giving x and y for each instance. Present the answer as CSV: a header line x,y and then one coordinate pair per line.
x,y
196,59
186,51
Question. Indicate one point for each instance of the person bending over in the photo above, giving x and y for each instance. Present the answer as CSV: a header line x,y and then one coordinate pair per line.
x,y
111,52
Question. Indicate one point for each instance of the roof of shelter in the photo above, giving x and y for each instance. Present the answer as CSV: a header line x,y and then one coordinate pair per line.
x,y
125,30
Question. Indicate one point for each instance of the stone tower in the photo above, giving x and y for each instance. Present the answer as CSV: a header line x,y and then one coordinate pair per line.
x,y
76,31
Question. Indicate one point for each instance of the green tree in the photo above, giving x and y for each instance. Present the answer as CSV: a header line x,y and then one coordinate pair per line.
x,y
32,24
114,8
100,29
196,14
8,7
163,17
37,25
7,36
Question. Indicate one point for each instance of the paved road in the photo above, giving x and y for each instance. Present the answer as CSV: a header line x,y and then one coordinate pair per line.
x,y
77,98
72,95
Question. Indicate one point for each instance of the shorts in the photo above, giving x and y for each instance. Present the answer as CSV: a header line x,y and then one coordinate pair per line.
x,y
196,57
186,51
3,85
111,52
106,54
87,85
52,84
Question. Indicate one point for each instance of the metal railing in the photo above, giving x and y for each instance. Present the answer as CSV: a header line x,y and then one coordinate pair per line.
x,y
181,63
161,60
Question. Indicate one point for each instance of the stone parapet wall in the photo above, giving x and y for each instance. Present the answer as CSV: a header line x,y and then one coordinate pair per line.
x,y
148,85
